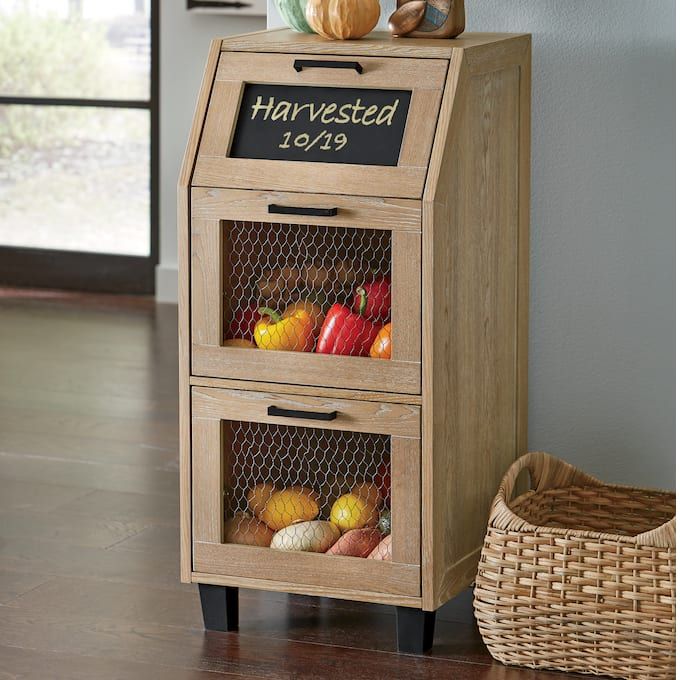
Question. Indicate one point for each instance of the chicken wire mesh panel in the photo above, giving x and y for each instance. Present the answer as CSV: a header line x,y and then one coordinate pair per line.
x,y
307,489
306,288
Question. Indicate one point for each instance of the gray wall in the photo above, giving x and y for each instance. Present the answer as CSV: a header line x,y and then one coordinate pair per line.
x,y
185,40
602,267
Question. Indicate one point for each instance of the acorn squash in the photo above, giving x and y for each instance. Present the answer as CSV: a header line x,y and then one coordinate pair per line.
x,y
293,14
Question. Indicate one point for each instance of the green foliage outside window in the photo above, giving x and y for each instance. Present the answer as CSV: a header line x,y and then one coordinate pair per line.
x,y
47,56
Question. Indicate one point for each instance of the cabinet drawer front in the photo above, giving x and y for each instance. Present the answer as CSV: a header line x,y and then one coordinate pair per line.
x,y
241,263
304,469
399,420
423,79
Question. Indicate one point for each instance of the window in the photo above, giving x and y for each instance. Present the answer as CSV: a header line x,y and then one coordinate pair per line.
x,y
78,143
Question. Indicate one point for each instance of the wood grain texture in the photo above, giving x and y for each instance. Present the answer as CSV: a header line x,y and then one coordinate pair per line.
x,y
286,388
406,299
304,368
351,595
424,78
376,43
449,115
184,304
206,283
398,420
377,72
308,569
470,388
406,500
396,214
207,479
359,180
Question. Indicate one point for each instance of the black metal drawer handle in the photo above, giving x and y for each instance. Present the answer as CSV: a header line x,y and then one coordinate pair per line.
x,y
293,210
308,415
299,64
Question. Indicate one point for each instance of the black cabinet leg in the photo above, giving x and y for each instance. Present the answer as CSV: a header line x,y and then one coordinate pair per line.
x,y
415,630
220,607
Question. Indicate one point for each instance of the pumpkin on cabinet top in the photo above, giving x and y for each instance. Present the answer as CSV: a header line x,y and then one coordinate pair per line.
x,y
343,19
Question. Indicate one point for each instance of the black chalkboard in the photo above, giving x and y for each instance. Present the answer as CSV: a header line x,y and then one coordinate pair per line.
x,y
321,124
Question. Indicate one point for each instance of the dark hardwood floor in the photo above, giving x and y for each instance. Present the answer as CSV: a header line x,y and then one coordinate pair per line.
x,y
89,584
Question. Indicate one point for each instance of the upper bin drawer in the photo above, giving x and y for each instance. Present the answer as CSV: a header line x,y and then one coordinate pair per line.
x,y
308,252
326,124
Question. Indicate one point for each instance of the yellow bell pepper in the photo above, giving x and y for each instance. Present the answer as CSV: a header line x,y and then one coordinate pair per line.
x,y
292,332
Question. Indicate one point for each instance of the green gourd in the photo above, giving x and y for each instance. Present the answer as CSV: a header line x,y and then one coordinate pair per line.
x,y
293,13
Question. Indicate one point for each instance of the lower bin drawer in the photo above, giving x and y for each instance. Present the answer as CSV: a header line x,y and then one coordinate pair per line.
x,y
278,480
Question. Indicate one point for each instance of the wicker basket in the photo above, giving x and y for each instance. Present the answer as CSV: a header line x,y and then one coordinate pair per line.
x,y
579,575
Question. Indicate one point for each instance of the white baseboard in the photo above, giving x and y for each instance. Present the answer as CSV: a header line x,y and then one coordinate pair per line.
x,y
166,283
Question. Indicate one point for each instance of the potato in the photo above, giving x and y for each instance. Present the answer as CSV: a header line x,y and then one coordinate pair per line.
x,y
258,497
246,530
356,543
383,551
283,508
315,536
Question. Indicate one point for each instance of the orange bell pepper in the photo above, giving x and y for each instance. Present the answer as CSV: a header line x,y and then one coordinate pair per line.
x,y
311,307
382,345
292,332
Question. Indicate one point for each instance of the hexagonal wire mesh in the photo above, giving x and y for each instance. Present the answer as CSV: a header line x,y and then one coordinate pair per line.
x,y
311,277
308,489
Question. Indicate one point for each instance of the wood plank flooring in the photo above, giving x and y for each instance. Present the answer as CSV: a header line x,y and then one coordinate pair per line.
x,y
89,584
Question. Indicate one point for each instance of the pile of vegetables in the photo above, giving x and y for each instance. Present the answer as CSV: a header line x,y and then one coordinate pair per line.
x,y
288,519
361,329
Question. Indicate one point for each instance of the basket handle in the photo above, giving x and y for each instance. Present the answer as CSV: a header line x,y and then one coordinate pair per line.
x,y
661,537
547,472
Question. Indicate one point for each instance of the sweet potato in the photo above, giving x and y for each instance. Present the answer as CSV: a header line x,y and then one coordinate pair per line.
x,y
356,543
383,551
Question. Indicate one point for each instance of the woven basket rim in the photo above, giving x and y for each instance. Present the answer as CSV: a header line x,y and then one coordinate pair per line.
x,y
548,472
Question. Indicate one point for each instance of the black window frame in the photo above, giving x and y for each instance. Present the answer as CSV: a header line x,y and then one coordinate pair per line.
x,y
96,272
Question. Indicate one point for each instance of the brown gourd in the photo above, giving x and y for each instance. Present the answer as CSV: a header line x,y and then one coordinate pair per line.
x,y
343,19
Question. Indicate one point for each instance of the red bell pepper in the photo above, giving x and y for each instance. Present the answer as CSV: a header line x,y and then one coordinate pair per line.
x,y
242,324
379,305
345,332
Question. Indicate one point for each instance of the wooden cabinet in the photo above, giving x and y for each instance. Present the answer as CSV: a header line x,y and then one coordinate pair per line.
x,y
434,242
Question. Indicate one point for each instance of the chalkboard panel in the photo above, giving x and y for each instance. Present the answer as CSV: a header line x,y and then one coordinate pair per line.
x,y
321,124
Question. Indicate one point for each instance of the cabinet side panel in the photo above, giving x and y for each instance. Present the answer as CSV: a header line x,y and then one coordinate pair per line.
x,y
474,390
184,311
